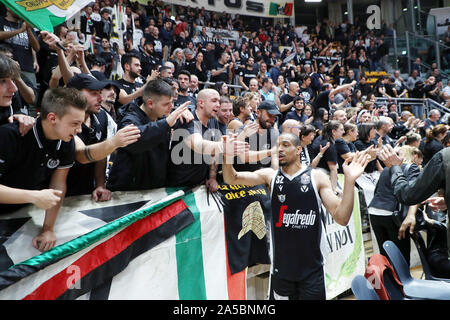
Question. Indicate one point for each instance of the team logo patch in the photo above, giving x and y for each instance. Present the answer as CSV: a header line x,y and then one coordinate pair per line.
x,y
304,188
282,197
98,135
305,179
52,163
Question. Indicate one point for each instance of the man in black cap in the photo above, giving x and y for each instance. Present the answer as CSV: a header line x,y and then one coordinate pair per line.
x,y
149,60
109,95
264,141
90,178
98,68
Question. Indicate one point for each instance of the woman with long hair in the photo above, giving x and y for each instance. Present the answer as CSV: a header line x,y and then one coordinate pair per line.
x,y
332,131
344,146
179,60
308,113
321,118
307,135
366,133
199,67
281,87
383,205
222,88
433,142
253,99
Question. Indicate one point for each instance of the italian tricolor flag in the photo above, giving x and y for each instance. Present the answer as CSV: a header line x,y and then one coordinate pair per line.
x,y
173,247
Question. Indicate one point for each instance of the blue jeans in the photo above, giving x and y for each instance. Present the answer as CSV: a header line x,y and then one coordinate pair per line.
x,y
417,110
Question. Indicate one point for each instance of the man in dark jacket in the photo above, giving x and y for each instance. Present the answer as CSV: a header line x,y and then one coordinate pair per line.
x,y
143,164
434,176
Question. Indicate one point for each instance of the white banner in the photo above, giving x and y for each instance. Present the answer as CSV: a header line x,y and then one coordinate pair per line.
x,y
346,258
442,16
261,8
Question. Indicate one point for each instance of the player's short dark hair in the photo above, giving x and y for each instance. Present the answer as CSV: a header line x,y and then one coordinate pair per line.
x,y
294,139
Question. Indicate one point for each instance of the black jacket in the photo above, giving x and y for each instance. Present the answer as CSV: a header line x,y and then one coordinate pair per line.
x,y
432,178
384,197
141,165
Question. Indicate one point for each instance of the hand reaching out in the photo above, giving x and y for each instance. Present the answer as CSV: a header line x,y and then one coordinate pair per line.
x,y
127,135
353,170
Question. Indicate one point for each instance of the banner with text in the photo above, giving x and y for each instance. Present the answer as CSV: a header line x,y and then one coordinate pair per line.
x,y
272,8
346,257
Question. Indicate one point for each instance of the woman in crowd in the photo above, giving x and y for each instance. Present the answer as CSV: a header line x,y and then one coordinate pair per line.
x,y
344,146
308,112
366,134
178,60
199,68
332,131
433,142
364,116
356,97
320,119
307,135
281,87
222,88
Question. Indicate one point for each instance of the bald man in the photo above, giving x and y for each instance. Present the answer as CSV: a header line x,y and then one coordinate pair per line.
x,y
195,144
340,115
291,126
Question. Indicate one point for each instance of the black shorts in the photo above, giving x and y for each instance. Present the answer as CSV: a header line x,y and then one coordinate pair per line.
x,y
311,288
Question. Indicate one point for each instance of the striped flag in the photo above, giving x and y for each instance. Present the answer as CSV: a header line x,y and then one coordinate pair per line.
x,y
46,14
160,244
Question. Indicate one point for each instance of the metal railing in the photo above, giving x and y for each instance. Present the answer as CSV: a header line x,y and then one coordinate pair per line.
x,y
406,103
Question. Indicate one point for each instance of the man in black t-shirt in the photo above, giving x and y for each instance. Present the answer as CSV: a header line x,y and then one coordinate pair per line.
x,y
131,87
194,145
19,35
287,99
34,167
184,79
305,90
247,73
149,60
9,110
262,144
222,69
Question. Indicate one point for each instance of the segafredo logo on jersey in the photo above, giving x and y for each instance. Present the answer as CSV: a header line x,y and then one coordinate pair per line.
x,y
295,220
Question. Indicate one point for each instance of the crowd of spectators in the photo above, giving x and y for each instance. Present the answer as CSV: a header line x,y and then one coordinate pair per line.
x,y
268,79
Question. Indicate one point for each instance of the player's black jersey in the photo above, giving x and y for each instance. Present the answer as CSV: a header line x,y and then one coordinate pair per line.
x,y
299,240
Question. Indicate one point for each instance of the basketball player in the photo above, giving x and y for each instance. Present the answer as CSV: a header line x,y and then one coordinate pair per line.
x,y
298,236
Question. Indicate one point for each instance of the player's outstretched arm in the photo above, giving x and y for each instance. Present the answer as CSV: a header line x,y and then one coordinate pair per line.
x,y
341,209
